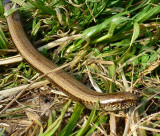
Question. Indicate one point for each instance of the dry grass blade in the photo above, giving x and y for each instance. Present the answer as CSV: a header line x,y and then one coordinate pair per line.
x,y
56,69
92,81
15,90
119,41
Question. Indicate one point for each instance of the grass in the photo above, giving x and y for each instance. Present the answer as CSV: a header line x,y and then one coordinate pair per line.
x,y
118,49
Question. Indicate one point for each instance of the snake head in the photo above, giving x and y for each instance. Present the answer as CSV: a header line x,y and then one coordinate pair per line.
x,y
119,101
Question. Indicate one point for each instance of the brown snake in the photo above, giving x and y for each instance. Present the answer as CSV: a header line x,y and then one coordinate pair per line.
x,y
66,83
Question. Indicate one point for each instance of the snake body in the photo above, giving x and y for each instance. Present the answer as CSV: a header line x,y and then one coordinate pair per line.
x,y
66,83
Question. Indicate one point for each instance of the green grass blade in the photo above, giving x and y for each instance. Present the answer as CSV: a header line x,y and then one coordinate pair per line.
x,y
116,51
1,9
41,6
52,118
2,132
24,4
3,36
130,2
113,24
150,13
154,56
112,75
52,128
72,122
41,127
136,31
90,119
99,121
36,28
139,17
10,11
3,40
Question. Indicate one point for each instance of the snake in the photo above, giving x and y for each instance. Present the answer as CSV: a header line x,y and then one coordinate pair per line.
x,y
68,84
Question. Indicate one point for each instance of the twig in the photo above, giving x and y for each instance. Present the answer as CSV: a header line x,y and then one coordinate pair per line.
x,y
124,80
75,5
145,72
141,104
54,70
90,11
112,125
14,90
130,61
127,125
58,92
101,130
149,129
92,80
11,60
109,79
19,58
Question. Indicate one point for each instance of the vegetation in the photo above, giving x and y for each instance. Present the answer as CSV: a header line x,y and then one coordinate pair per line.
x,y
111,46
